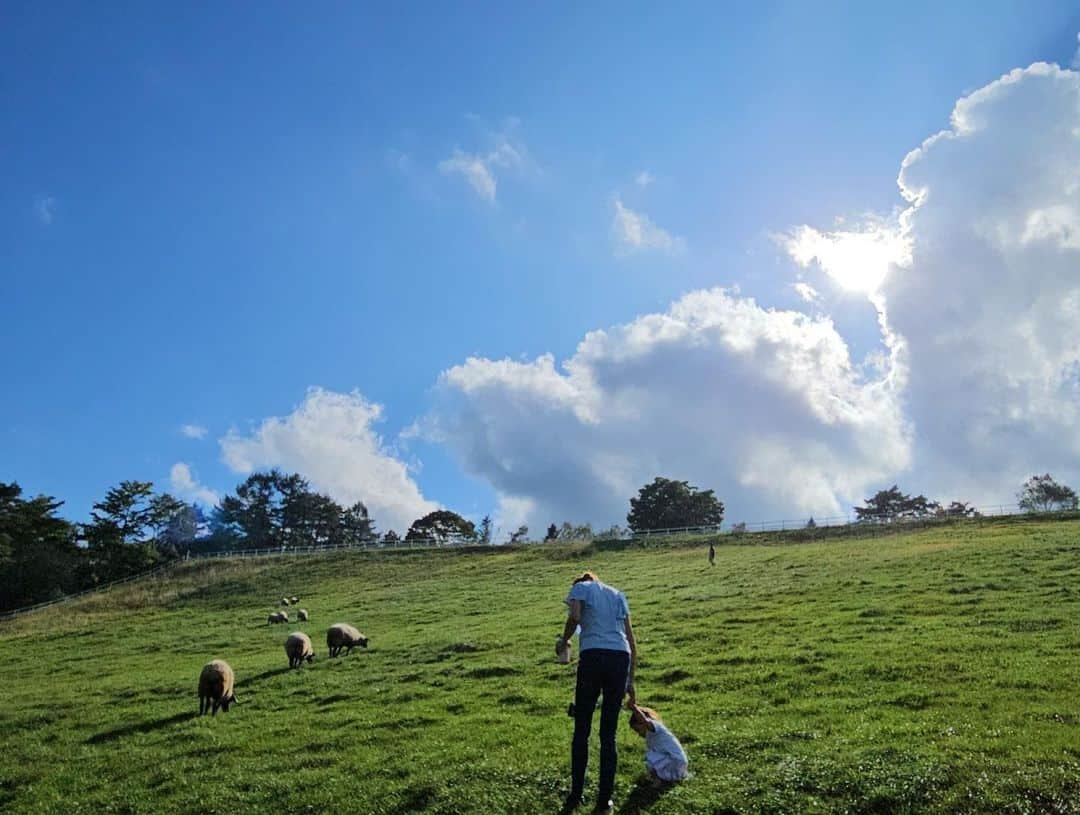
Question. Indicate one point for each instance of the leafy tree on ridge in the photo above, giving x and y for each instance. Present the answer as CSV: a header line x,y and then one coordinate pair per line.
x,y
1041,493
442,526
668,504
39,558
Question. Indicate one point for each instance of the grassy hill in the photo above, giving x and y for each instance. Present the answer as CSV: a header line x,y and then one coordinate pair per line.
x,y
934,672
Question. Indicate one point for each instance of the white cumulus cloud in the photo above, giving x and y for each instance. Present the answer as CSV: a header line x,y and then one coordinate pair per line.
x,y
764,406
184,485
193,431
330,440
634,232
979,282
976,285
989,305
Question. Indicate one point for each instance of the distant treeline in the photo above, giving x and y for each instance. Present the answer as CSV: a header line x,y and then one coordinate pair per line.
x,y
133,528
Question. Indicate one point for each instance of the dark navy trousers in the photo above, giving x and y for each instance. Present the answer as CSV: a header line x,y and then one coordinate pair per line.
x,y
600,671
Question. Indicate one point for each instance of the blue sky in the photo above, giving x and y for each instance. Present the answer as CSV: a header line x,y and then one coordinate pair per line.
x,y
208,210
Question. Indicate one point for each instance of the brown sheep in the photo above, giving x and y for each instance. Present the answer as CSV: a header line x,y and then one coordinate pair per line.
x,y
216,687
278,617
284,601
302,615
294,600
298,649
341,635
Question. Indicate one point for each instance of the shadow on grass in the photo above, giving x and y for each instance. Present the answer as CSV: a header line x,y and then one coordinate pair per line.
x,y
643,796
141,727
253,680
178,718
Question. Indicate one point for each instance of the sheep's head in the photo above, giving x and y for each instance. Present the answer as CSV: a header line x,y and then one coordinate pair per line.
x,y
310,657
362,642
228,700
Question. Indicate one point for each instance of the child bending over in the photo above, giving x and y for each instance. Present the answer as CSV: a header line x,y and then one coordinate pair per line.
x,y
665,758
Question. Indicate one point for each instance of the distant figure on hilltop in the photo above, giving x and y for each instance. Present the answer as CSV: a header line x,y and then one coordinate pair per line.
x,y
712,554
607,658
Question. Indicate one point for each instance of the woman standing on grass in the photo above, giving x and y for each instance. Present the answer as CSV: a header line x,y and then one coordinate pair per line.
x,y
608,655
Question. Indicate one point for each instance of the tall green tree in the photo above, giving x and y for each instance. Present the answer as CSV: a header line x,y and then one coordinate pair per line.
x,y
486,530
123,534
39,558
892,504
442,526
257,510
272,509
1041,493
668,504
357,526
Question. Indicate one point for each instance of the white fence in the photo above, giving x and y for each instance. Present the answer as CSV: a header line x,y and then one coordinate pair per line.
x,y
856,527
787,525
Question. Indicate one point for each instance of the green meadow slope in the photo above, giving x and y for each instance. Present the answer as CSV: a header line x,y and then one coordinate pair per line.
x,y
933,672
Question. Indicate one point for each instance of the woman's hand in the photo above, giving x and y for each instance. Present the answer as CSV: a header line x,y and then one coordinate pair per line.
x,y
560,645
632,696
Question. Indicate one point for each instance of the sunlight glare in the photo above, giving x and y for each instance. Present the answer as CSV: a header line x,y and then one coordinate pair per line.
x,y
857,261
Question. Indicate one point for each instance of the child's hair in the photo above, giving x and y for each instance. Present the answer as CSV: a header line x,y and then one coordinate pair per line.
x,y
585,577
647,713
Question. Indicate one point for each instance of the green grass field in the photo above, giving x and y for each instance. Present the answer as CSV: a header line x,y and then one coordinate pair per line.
x,y
933,672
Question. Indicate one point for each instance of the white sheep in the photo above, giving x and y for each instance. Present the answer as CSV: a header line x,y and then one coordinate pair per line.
x,y
216,687
302,615
342,635
278,617
298,648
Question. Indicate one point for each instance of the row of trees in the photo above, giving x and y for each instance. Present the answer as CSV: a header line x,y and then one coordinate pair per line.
x,y
133,528
1040,493
273,509
661,504
43,555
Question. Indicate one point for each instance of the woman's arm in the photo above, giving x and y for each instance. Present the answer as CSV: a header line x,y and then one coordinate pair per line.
x,y
572,620
633,658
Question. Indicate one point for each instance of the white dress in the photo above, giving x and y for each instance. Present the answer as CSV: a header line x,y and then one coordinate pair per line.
x,y
664,755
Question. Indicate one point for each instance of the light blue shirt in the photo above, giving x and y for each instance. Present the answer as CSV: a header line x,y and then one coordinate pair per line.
x,y
604,610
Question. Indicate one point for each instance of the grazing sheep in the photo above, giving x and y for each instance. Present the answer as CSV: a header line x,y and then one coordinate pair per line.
x,y
301,615
294,600
345,636
284,601
216,687
298,648
278,617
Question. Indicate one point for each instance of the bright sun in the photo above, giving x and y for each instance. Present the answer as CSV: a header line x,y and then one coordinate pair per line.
x,y
856,261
